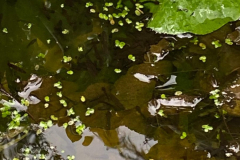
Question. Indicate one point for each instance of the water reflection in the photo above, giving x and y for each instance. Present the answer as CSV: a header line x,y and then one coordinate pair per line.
x,y
104,145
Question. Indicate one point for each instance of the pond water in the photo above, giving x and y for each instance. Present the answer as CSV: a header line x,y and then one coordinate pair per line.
x,y
76,86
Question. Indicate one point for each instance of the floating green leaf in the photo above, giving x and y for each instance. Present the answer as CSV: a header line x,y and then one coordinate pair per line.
x,y
195,16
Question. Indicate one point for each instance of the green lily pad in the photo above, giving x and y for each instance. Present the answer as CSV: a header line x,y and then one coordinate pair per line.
x,y
195,16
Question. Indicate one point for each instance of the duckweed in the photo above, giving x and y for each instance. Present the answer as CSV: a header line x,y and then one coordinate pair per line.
x,y
65,31
41,55
161,113
139,26
203,58
131,57
108,4
65,125
89,111
63,102
207,128
54,118
80,49
120,23
117,70
46,98
178,93
67,59
92,10
58,85
128,21
25,102
119,44
83,99
194,41
216,44
89,4
71,157
114,30
163,96
59,94
70,112
29,25
5,111
214,95
70,72
46,125
228,41
80,128
103,16
105,8
46,105
202,45
184,135
5,30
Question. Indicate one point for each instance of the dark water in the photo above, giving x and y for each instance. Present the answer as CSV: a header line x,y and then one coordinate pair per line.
x,y
160,106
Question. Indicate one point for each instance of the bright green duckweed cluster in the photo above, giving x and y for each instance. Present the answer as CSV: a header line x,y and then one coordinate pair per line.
x,y
118,14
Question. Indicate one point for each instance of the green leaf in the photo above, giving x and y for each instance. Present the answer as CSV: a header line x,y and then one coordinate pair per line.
x,y
195,16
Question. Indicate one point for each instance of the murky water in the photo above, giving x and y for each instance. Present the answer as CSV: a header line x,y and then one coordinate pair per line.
x,y
159,97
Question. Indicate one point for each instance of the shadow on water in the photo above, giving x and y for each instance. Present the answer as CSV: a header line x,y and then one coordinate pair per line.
x,y
159,97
